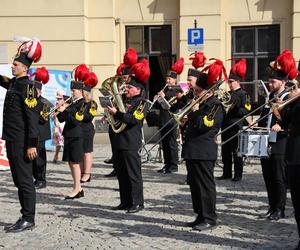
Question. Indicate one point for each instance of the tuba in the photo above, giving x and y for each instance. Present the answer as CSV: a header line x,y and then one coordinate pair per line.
x,y
114,87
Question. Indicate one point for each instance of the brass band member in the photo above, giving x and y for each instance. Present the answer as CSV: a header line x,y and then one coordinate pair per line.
x,y
240,107
20,130
88,129
274,167
169,143
198,61
73,115
129,59
200,151
41,76
127,142
292,121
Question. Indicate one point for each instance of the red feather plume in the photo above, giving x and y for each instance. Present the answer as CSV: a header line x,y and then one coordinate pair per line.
x,y
120,69
215,71
286,63
130,57
178,66
141,70
198,60
81,73
41,75
239,68
92,80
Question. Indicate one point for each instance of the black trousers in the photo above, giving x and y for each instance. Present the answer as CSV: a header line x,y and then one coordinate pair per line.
x,y
170,147
129,171
21,170
40,163
203,189
273,170
229,151
110,134
294,181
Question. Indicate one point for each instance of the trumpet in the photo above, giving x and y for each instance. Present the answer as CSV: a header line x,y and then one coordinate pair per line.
x,y
180,115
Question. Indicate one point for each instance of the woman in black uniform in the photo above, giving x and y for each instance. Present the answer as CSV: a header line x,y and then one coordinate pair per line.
x,y
88,127
73,115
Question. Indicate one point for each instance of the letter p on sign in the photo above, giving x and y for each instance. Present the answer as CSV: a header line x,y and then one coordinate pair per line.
x,y
195,36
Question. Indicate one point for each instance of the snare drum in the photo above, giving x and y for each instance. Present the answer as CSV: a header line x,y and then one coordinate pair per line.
x,y
253,143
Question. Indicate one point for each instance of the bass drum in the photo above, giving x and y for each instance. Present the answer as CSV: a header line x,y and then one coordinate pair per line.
x,y
152,118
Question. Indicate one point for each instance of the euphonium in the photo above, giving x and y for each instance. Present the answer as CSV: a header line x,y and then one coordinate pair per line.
x,y
113,85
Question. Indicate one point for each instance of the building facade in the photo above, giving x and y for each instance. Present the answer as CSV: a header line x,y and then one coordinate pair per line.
x,y
97,32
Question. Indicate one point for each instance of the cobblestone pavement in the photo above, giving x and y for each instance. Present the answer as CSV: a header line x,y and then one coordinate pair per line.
x,y
89,222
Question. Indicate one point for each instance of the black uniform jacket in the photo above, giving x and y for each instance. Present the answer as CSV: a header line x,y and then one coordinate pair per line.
x,y
20,122
131,137
291,120
238,108
200,141
87,122
279,146
72,126
44,124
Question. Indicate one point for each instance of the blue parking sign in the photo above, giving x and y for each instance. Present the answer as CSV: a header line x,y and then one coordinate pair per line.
x,y
195,36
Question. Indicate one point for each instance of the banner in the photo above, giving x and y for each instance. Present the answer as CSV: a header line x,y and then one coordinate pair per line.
x,y
59,80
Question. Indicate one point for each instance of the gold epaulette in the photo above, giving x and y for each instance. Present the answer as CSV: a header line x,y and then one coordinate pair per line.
x,y
79,114
248,103
93,108
44,112
5,79
139,112
209,120
30,99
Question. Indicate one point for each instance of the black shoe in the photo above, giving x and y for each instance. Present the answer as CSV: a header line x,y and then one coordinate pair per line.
x,y
88,180
195,222
76,196
162,170
170,171
12,225
222,177
40,184
20,226
121,207
276,215
204,226
135,208
266,215
237,178
109,161
112,174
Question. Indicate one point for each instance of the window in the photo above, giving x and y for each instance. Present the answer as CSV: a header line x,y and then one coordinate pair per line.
x,y
259,45
155,44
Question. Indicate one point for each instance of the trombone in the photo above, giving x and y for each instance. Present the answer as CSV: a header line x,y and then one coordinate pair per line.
x,y
55,111
253,111
275,109
180,115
